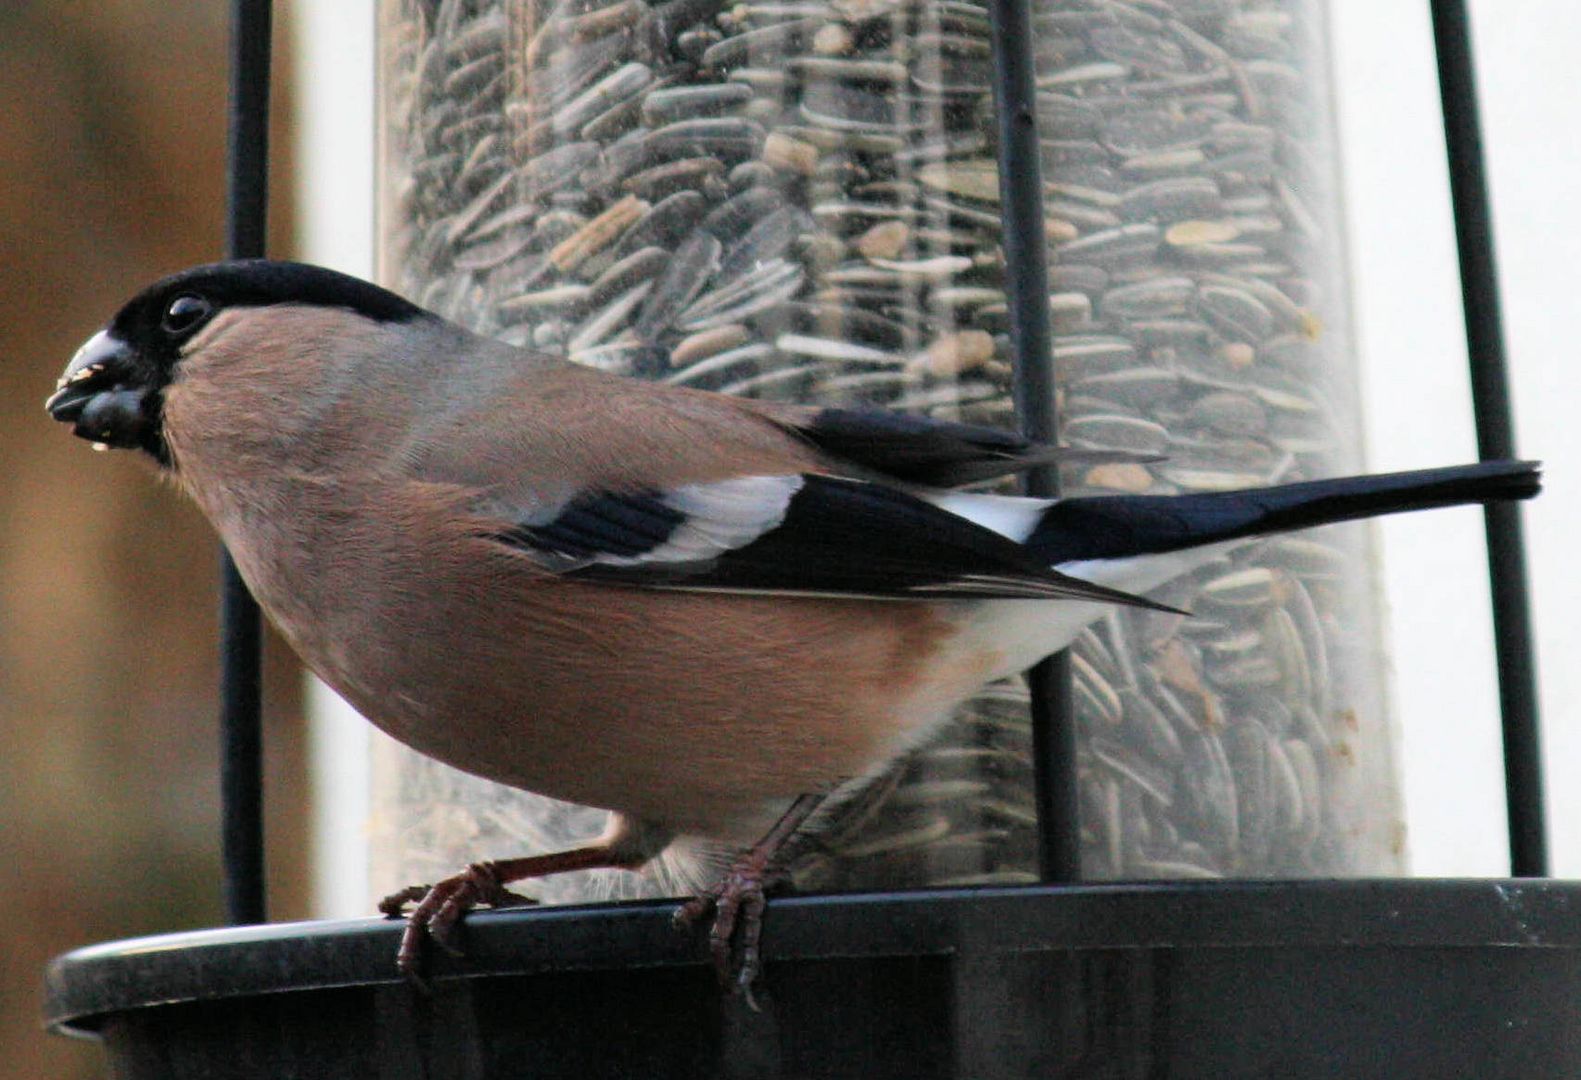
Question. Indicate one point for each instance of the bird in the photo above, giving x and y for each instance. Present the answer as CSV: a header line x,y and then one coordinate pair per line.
x,y
710,616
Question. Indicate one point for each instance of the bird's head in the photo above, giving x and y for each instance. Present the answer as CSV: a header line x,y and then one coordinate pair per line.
x,y
112,392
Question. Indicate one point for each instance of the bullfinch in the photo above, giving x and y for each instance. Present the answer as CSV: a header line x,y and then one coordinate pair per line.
x,y
714,617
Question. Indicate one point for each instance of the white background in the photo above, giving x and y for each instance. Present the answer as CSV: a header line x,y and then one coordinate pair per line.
x,y
1413,359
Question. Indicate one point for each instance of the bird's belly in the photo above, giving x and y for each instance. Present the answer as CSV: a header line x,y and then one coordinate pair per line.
x,y
692,711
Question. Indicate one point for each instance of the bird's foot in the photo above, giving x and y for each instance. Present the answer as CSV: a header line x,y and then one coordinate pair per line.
x,y
626,844
440,908
737,902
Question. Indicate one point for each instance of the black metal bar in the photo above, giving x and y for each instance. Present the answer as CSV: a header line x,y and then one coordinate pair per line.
x,y
241,742
1027,291
1490,389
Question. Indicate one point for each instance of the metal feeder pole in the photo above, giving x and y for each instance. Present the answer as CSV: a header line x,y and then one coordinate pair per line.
x,y
1490,395
241,742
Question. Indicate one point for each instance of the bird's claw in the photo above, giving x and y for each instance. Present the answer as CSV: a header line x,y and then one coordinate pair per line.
x,y
440,908
737,903
394,905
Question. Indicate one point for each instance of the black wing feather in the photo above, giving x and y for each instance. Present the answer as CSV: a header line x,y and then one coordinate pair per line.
x,y
601,523
938,453
837,537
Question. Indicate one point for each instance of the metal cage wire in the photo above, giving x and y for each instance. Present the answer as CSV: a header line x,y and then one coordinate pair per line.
x,y
241,641
1027,286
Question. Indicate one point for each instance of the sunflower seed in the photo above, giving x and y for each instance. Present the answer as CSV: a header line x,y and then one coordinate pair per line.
x,y
639,266
609,320
1117,433
767,239
597,233
762,290
670,221
736,216
1150,299
760,44
707,343
663,180
834,349
682,279
692,101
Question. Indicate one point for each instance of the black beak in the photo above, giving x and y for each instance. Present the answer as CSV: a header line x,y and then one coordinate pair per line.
x,y
100,396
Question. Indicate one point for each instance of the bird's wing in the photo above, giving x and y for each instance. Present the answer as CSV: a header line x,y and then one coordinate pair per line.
x,y
542,430
922,450
525,421
607,479
801,534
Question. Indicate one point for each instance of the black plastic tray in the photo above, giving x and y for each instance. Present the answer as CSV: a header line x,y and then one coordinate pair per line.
x,y
1267,979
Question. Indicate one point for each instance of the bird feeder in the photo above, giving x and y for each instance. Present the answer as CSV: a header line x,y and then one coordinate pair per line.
x,y
831,202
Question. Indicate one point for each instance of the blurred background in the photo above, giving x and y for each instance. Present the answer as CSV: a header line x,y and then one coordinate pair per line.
x,y
112,136
111,173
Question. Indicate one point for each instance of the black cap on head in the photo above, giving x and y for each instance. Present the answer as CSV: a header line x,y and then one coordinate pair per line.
x,y
254,283
112,390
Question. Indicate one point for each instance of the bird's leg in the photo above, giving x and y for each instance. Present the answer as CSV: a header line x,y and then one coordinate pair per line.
x,y
737,901
626,844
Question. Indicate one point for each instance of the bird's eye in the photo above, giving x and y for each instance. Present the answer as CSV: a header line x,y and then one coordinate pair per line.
x,y
185,312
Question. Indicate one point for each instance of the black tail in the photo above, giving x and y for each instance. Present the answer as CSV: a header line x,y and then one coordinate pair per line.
x,y
1117,525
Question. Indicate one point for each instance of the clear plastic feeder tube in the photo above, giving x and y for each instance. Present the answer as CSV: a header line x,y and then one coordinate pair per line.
x,y
799,200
